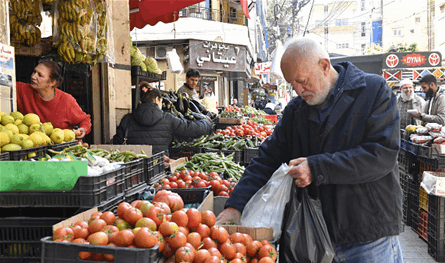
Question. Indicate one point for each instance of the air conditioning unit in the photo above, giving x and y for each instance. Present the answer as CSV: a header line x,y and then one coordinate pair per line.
x,y
161,52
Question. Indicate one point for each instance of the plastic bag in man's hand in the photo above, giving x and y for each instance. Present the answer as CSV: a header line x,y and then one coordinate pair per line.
x,y
305,236
266,207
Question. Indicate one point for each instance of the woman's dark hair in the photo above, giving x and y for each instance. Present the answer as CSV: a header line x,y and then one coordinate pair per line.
x,y
55,72
152,94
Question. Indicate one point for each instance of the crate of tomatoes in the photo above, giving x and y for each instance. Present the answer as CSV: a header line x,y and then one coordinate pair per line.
x,y
246,129
143,231
186,179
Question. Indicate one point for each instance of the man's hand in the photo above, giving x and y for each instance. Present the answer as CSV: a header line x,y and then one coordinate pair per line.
x,y
301,172
416,115
229,215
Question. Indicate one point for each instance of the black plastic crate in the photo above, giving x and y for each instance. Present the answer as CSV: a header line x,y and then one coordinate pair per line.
x,y
425,151
89,191
408,163
137,71
20,238
436,227
134,174
135,193
60,146
154,167
435,162
436,206
57,252
238,156
415,220
436,248
28,153
412,148
179,152
249,153
4,156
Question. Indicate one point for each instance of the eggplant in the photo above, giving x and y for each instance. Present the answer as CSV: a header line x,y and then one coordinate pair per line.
x,y
172,96
179,105
185,101
179,114
193,107
199,105
198,116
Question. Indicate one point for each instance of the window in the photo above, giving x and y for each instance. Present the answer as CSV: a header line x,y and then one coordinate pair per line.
x,y
363,48
362,5
344,22
342,45
363,34
397,32
417,20
338,22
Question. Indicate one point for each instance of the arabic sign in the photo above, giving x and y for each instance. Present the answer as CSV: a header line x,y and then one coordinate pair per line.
x,y
262,68
412,60
7,79
210,55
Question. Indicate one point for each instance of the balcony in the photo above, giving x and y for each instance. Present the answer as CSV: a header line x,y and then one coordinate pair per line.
x,y
217,15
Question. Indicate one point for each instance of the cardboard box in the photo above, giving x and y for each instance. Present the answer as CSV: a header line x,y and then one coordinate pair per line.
x,y
134,148
42,48
176,163
85,216
231,121
440,148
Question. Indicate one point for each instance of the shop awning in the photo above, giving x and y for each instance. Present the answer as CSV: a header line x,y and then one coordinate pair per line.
x,y
143,12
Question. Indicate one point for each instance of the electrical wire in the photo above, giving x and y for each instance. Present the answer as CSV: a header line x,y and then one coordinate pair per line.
x,y
310,12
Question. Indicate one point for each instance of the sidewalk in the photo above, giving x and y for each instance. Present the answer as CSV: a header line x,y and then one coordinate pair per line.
x,y
414,248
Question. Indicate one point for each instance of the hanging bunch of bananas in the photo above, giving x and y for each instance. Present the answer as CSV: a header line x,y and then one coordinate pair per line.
x,y
24,20
48,2
83,25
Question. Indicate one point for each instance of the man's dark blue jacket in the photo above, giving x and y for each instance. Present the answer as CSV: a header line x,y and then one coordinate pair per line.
x,y
353,157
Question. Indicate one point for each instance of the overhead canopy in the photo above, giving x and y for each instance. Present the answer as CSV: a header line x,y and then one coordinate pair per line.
x,y
143,12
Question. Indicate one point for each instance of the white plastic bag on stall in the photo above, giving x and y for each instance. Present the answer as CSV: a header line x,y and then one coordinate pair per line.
x,y
266,207
174,62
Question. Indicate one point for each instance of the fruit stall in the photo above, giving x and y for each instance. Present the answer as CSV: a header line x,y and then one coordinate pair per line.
x,y
421,164
121,203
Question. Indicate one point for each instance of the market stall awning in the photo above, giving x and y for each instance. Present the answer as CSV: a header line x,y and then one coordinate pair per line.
x,y
143,12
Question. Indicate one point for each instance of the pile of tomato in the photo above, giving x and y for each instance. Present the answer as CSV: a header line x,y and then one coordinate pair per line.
x,y
182,235
232,108
192,179
249,128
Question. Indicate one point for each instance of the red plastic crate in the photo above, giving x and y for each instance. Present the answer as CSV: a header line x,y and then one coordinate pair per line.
x,y
423,225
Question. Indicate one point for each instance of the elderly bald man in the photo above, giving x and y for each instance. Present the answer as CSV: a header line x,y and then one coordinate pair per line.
x,y
341,138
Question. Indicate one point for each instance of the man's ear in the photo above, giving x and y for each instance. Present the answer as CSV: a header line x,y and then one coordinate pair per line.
x,y
325,65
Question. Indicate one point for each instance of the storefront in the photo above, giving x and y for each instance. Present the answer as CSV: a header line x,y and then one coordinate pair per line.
x,y
224,68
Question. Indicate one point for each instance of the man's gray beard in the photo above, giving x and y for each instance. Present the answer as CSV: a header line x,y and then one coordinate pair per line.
x,y
404,97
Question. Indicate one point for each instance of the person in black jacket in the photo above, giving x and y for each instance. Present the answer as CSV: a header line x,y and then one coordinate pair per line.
x,y
148,124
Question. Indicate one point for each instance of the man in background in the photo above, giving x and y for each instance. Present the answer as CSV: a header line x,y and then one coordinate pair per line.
x,y
191,84
408,100
434,110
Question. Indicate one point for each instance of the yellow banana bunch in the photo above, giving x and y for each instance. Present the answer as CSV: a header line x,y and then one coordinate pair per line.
x,y
66,52
23,20
48,2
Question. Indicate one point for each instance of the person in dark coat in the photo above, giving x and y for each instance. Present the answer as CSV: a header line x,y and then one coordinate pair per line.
x,y
341,138
149,125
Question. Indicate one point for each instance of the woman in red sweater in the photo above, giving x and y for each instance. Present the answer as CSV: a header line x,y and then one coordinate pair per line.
x,y
43,98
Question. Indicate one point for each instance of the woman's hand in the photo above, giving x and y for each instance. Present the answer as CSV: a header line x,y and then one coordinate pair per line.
x,y
80,133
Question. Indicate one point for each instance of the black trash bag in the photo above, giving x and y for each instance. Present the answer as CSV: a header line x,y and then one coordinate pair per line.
x,y
304,237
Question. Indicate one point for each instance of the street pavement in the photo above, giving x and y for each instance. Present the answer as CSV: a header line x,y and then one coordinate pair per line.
x,y
414,248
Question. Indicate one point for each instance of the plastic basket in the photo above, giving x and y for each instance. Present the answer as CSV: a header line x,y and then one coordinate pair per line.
x,y
57,252
137,71
415,219
435,163
436,248
59,147
154,167
20,237
4,156
436,227
179,152
89,191
425,151
436,206
412,148
249,153
28,153
423,225
134,174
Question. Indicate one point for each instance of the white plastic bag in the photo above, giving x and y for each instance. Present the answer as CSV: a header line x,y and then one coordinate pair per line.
x,y
266,207
174,62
